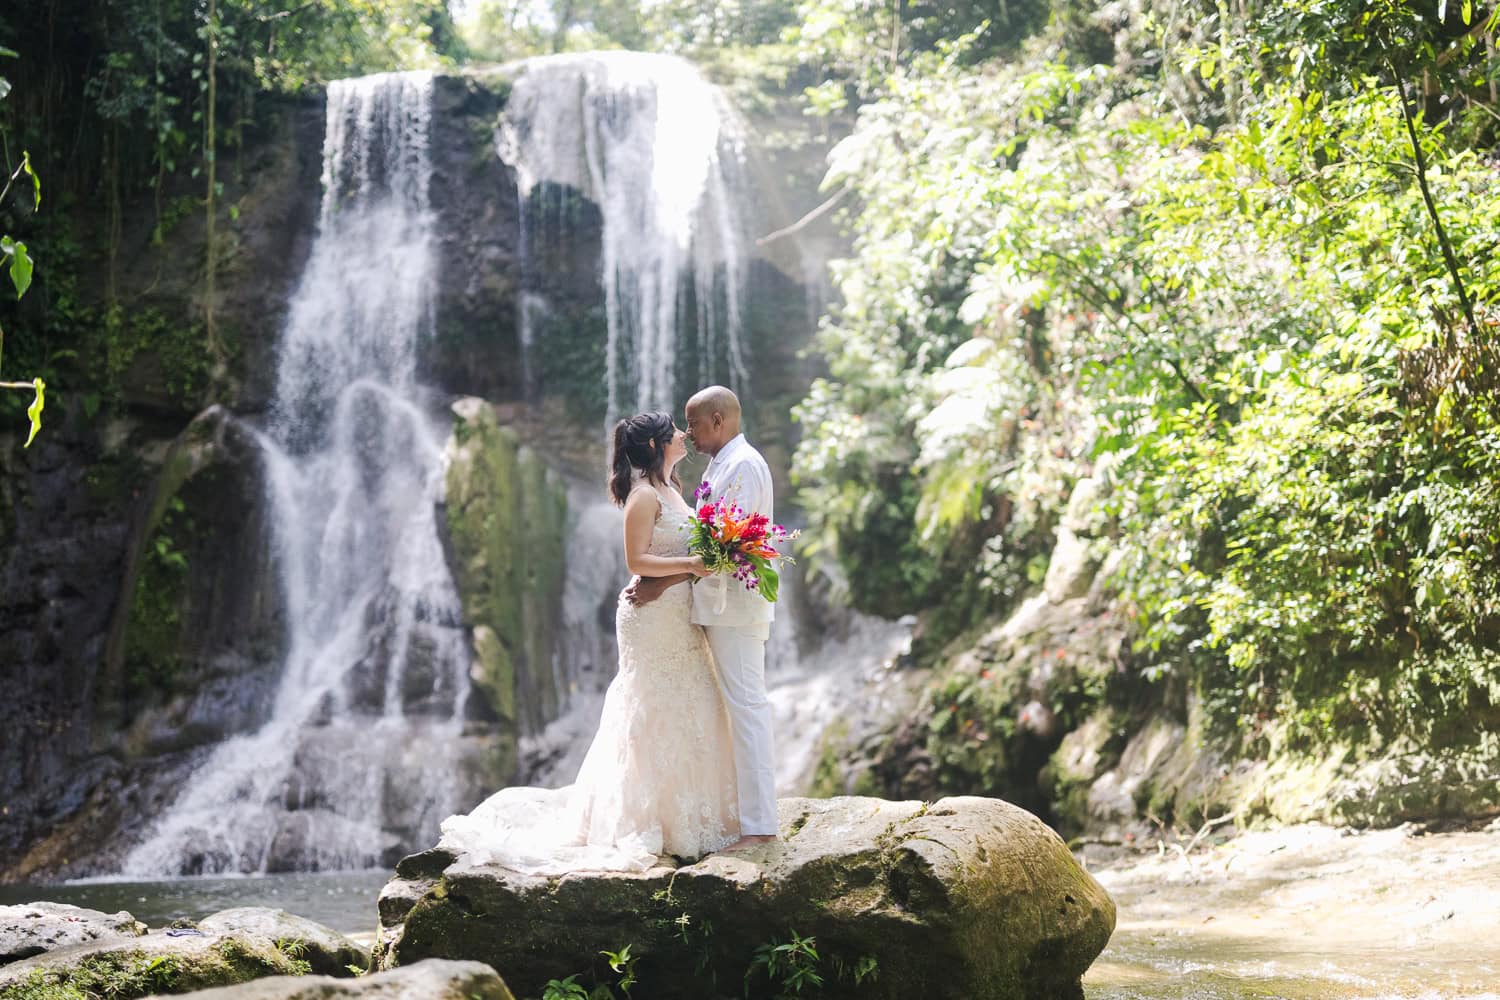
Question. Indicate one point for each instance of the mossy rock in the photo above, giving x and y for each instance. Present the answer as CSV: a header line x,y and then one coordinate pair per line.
x,y
153,964
506,517
961,898
325,951
434,979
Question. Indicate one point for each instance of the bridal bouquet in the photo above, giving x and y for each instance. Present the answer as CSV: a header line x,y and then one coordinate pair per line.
x,y
731,541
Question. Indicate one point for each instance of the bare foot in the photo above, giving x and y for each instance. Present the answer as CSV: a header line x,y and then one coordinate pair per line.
x,y
751,840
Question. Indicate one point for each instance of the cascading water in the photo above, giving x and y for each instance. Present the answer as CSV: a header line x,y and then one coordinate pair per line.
x,y
359,755
656,147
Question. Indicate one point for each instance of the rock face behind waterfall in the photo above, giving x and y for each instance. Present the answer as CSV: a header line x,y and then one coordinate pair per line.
x,y
965,897
505,518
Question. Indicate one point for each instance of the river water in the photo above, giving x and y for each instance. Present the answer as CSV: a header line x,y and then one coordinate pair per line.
x,y
344,901
1307,912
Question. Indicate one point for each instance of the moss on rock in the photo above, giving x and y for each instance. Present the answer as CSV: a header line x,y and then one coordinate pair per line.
x,y
506,518
183,551
145,966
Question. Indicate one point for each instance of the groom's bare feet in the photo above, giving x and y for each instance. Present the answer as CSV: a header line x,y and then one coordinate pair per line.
x,y
751,840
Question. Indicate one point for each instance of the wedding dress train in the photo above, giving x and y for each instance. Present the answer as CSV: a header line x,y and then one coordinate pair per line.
x,y
659,776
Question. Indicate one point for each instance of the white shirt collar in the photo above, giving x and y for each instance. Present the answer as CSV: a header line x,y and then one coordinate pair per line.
x,y
729,446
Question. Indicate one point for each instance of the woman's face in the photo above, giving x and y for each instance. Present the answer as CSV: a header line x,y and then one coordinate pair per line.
x,y
676,448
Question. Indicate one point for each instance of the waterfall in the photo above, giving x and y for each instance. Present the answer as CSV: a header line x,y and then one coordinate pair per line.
x,y
656,147
360,753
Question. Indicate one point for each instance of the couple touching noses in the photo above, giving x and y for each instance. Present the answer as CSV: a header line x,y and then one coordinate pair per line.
x,y
682,761
735,621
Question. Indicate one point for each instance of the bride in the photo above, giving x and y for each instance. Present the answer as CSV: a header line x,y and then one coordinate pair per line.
x,y
659,777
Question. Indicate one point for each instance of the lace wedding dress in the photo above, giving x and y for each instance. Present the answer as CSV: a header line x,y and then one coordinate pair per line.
x,y
659,777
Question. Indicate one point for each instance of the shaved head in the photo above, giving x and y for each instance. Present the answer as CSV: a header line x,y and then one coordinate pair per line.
x,y
716,399
713,418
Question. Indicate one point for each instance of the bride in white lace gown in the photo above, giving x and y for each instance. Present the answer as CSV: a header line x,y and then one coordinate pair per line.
x,y
659,777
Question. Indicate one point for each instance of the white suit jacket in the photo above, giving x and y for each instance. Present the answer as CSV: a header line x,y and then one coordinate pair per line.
x,y
737,473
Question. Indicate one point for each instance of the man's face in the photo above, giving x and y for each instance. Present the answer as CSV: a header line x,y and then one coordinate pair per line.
x,y
704,429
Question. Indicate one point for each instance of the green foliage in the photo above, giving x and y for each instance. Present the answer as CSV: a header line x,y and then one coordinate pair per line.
x,y
499,30
564,989
1222,289
172,351
107,978
295,949
18,264
858,45
795,968
154,630
622,963
790,967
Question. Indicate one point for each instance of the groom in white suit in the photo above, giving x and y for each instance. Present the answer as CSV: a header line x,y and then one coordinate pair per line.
x,y
737,621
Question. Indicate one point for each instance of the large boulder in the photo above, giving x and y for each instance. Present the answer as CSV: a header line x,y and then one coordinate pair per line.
x,y
33,928
434,979
964,897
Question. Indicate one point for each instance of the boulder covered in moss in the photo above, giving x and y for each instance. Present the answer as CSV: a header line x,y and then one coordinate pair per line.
x,y
964,897
153,963
33,928
233,946
434,979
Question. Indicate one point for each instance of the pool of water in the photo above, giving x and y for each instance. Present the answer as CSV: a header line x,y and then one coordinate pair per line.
x,y
344,901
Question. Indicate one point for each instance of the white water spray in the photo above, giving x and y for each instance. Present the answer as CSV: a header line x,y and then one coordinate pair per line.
x,y
358,756
656,147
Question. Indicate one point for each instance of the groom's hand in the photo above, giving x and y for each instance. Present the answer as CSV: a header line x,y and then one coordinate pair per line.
x,y
642,590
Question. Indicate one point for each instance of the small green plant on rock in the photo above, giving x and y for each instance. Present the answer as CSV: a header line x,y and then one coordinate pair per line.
x,y
564,989
791,967
295,949
623,964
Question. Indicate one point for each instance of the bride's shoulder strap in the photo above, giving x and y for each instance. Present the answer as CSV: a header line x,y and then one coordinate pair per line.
x,y
643,486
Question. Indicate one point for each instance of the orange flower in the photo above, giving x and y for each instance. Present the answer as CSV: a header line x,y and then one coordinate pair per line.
x,y
732,528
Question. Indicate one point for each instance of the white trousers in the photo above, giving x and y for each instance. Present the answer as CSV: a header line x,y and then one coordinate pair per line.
x,y
740,655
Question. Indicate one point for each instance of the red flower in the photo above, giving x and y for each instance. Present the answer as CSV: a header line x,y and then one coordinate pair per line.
x,y
706,513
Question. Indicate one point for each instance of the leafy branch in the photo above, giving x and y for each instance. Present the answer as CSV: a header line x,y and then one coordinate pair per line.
x,y
1449,258
19,265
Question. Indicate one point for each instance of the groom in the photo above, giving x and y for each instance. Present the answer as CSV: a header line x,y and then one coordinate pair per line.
x,y
738,625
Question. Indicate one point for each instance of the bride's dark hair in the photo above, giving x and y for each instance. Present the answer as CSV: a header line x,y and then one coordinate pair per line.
x,y
640,443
